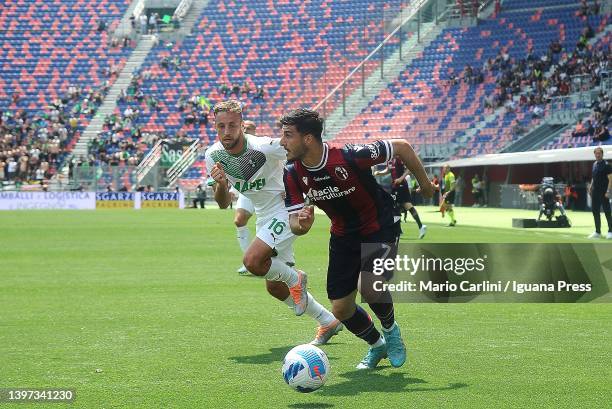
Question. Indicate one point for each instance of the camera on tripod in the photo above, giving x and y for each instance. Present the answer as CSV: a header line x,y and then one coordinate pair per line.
x,y
550,202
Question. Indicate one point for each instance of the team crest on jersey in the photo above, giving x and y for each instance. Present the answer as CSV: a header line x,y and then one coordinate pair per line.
x,y
305,180
341,173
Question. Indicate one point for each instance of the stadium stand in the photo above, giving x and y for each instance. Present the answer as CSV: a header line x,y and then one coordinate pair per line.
x,y
238,51
432,102
56,63
590,131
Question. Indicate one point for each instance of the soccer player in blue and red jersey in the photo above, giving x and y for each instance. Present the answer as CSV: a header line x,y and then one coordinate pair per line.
x,y
401,192
339,181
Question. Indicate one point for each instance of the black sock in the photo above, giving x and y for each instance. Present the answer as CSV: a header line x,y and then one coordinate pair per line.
x,y
597,218
361,325
416,217
385,313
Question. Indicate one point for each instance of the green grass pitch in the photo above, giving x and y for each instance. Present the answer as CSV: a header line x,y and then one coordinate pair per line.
x,y
143,309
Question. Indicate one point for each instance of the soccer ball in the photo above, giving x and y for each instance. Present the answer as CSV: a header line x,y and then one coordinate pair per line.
x,y
305,368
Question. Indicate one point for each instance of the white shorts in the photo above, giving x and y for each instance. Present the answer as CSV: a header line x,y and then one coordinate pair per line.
x,y
274,230
245,203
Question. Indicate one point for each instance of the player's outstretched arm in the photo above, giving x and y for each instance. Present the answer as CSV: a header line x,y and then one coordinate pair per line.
x,y
301,222
221,187
413,163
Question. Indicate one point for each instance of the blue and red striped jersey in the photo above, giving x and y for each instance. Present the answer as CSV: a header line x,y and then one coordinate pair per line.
x,y
343,187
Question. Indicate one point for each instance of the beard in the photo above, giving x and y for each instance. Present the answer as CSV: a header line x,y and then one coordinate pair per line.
x,y
228,146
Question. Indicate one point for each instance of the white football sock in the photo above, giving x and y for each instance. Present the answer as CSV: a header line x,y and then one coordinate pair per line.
x,y
280,271
244,237
318,312
381,341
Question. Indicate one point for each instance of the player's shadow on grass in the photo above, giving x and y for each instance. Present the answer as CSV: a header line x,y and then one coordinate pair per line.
x,y
361,381
312,405
274,355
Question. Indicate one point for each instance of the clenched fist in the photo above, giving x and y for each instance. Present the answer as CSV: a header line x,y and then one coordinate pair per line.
x,y
306,217
218,174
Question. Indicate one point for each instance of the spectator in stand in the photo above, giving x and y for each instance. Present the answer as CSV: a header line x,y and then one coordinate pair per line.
x,y
153,23
35,143
23,167
259,93
584,8
39,175
11,168
489,102
143,23
467,74
128,112
246,89
537,111
582,42
176,23
580,130
203,118
564,88
236,90
601,134
177,63
590,131
555,47
497,9
190,118
180,104
224,90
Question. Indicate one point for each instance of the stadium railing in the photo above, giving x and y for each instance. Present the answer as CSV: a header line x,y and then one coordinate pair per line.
x,y
417,13
149,161
180,166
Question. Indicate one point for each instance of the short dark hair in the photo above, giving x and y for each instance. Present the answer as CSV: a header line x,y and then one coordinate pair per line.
x,y
306,121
